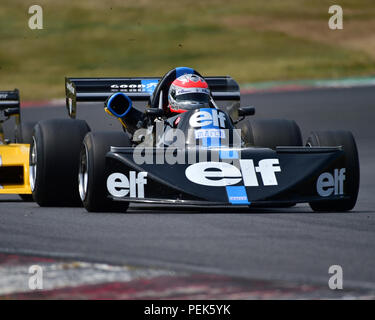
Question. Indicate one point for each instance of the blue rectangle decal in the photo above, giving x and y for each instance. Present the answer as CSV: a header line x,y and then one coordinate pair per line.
x,y
149,85
228,154
237,195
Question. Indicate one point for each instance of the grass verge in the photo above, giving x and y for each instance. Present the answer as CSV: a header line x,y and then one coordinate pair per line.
x,y
250,40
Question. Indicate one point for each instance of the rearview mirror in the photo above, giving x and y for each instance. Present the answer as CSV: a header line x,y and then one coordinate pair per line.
x,y
246,111
11,111
119,104
155,112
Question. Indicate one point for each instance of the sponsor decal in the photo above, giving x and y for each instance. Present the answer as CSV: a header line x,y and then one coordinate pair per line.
x,y
328,184
145,86
228,154
192,90
177,121
209,133
3,95
207,118
237,195
149,85
221,174
70,88
119,185
188,76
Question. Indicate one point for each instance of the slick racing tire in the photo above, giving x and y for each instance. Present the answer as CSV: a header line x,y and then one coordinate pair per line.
x,y
270,133
54,161
346,140
91,177
24,134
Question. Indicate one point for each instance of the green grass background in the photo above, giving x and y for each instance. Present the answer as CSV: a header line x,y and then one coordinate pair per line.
x,y
147,38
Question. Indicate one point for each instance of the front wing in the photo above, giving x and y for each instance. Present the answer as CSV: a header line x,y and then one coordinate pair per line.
x,y
248,176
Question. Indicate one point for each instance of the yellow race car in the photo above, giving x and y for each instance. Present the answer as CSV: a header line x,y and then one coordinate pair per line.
x,y
14,156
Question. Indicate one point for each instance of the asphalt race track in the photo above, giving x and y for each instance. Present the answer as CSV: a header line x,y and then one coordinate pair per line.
x,y
280,245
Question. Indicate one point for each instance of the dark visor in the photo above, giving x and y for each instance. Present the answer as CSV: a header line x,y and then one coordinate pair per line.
x,y
194,97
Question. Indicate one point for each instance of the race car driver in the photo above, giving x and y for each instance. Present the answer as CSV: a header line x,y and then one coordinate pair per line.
x,y
188,92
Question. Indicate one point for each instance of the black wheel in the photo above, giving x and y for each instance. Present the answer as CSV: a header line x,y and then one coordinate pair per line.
x,y
270,133
26,197
54,161
346,140
24,134
92,184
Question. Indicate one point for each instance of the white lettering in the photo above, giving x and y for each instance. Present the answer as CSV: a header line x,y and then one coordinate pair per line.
x,y
36,20
328,184
118,185
204,118
225,174
336,281
36,280
221,174
336,21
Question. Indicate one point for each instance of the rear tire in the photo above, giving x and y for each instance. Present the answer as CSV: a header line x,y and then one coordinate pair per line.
x,y
54,155
92,183
26,197
271,133
346,140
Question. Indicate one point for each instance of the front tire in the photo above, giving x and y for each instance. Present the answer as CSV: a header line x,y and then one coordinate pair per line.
x,y
346,140
92,183
54,155
270,133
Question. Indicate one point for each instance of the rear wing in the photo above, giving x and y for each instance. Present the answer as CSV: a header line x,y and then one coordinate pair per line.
x,y
223,88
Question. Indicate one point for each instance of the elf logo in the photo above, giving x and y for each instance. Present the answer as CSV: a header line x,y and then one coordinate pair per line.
x,y
221,174
206,118
328,184
119,185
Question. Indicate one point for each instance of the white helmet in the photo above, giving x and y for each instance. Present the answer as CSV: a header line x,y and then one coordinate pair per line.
x,y
188,92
